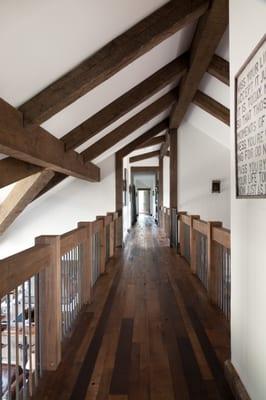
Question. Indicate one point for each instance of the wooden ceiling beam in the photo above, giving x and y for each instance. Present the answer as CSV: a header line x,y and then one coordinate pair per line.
x,y
210,30
212,107
127,102
130,126
219,68
20,196
12,170
153,142
143,138
36,146
165,146
144,156
114,56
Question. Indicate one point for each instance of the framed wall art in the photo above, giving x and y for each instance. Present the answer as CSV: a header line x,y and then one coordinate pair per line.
x,y
250,125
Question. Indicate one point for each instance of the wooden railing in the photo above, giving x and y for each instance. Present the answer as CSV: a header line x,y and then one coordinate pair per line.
x,y
43,291
206,247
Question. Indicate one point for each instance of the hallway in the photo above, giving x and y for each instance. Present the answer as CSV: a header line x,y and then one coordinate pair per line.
x,y
150,333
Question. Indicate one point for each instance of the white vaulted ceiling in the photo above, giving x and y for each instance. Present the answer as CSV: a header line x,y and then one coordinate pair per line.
x,y
41,41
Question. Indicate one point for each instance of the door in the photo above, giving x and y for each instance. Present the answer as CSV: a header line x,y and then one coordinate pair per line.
x,y
144,201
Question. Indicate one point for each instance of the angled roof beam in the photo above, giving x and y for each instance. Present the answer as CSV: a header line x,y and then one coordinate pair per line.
x,y
36,146
165,146
144,156
219,68
143,138
114,56
153,142
20,196
127,102
212,107
210,30
130,126
12,170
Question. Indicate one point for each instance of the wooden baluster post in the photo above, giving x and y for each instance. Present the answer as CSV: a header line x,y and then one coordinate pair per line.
x,y
86,281
193,244
50,305
102,235
212,262
112,235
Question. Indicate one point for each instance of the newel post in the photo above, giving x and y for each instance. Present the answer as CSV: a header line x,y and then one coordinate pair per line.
x,y
212,262
86,282
50,305
112,235
180,232
119,231
102,235
193,244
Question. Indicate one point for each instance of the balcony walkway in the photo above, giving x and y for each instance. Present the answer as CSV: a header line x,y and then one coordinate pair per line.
x,y
150,333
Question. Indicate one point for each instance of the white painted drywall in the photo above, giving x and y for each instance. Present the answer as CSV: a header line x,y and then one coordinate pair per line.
x,y
201,160
248,321
61,209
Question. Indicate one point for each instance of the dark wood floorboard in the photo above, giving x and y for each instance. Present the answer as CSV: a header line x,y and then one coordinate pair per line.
x,y
150,334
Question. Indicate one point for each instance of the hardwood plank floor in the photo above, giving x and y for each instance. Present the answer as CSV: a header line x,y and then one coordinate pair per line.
x,y
150,334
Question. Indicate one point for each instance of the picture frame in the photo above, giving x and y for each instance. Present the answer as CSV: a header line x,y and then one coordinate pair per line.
x,y
250,125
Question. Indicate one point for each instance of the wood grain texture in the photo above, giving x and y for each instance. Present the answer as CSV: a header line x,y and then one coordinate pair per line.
x,y
210,30
212,107
144,156
144,139
152,334
219,68
21,196
12,170
173,168
128,127
127,102
110,59
152,142
37,146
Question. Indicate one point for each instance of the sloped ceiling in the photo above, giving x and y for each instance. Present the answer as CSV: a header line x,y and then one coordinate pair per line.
x,y
41,41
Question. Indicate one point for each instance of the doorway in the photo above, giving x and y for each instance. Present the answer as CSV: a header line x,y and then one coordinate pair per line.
x,y
144,201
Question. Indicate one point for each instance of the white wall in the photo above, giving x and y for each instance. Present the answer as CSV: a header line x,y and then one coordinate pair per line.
x,y
201,160
166,182
247,26
60,209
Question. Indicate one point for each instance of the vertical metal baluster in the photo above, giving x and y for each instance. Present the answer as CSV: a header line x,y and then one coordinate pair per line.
x,y
68,291
24,344
80,274
17,343
38,369
62,295
75,282
30,341
1,350
9,346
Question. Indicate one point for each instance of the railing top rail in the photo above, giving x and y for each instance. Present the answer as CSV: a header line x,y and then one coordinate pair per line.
x,y
200,226
188,219
222,236
73,238
97,226
114,214
107,219
16,269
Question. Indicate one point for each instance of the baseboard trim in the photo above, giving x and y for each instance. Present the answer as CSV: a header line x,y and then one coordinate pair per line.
x,y
235,382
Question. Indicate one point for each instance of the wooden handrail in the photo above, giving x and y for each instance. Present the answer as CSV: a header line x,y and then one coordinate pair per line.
x,y
97,226
222,236
73,238
19,267
200,226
